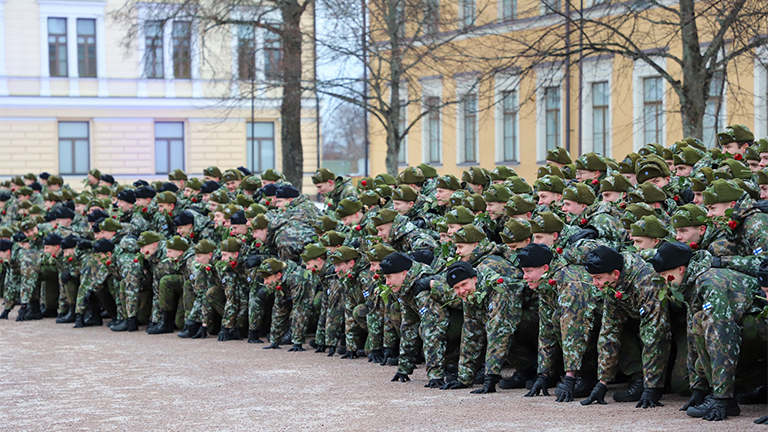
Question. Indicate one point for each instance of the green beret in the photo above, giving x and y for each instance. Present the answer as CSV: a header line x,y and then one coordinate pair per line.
x,y
384,191
688,215
272,175
243,200
30,176
695,142
18,181
762,147
469,234
700,179
762,177
411,175
734,169
177,174
332,239
615,183
635,212
166,197
260,222
68,194
516,231
257,209
441,226
323,175
404,193
580,193
497,193
476,175
384,179
212,171
667,154
649,226
459,215
194,183
688,156
366,183
313,251
218,196
722,191
269,267
383,216
35,210
475,202
735,133
651,166
102,190
204,246
6,232
230,175
379,252
458,197
83,198
751,154
749,188
652,149
448,181
546,222
148,237
518,185
550,169
520,204
111,225
229,210
350,206
629,164
96,173
25,204
591,162
325,224
550,183
24,190
230,245
502,173
428,170
177,243
27,225
648,193
343,254
250,183
55,180
559,155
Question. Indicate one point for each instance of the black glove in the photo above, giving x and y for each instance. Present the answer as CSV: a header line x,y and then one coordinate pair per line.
x,y
762,420
22,316
454,385
331,351
296,348
585,233
388,354
65,276
400,377
272,346
718,411
420,223
489,385
375,356
717,262
422,285
687,196
424,256
252,261
762,205
354,243
4,314
597,395
566,393
351,354
320,349
539,386
224,334
650,398
202,333
697,398
435,383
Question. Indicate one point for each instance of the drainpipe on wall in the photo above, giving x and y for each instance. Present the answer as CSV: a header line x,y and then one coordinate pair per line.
x,y
568,75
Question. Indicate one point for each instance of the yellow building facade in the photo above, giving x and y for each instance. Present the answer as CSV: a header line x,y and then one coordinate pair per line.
x,y
608,104
73,97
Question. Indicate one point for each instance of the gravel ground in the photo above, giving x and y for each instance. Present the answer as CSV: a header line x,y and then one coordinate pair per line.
x,y
57,378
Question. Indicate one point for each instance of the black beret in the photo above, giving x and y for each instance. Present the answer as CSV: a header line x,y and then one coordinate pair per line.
x,y
287,191
65,212
140,183
127,195
103,245
459,271
145,192
84,244
97,216
52,239
604,259
19,237
70,205
534,255
107,178
671,255
69,242
209,187
5,245
5,197
424,256
244,170
35,186
238,218
269,190
50,216
396,262
44,176
169,187
184,218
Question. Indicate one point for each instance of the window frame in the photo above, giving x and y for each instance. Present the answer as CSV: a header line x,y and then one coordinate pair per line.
x,y
246,70
468,12
432,105
273,56
181,50
151,50
557,112
468,110
89,68
250,141
657,105
511,114
402,155
167,144
55,63
604,109
71,142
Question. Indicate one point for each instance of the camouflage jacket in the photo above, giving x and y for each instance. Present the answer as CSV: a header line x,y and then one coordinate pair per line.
x,y
750,237
406,237
342,188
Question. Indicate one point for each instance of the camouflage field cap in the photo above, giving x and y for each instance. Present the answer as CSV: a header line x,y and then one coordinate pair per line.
x,y
735,133
230,245
219,196
591,162
615,183
476,175
212,171
177,174
27,225
332,239
635,212
688,156
732,169
272,175
366,183
651,166
411,175
520,204
647,193
703,177
313,251
324,224
550,169
751,154
580,193
404,193
148,237
762,177
166,198
194,183
55,180
260,222
230,175
546,222
244,200
721,191
516,231
350,206
559,155
384,179
469,234
762,147
688,215
111,225
502,173
629,164
448,181
518,185
251,183
649,226
428,170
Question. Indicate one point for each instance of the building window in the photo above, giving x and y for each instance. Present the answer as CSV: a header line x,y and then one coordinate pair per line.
x,y
74,154
402,154
653,92
246,51
467,12
469,131
432,16
273,55
169,146
153,59
508,9
57,47
182,59
549,7
261,146
86,47
433,129
713,116
552,107
509,121
600,123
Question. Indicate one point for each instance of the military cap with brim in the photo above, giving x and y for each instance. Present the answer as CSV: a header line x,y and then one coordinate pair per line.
x,y
722,191
55,180
580,193
497,193
688,215
475,202
735,168
671,255
313,251
441,226
186,217
603,259
516,231
269,267
546,222
635,212
379,252
332,239
459,215
177,243
396,262
343,254
350,206
762,145
323,175
615,183
469,234
649,226
212,171
148,237
534,255
383,216
458,272
651,166
550,183
52,239
204,247
103,246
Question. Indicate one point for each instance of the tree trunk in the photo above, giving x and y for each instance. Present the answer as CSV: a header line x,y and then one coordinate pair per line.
x,y
695,86
393,129
290,110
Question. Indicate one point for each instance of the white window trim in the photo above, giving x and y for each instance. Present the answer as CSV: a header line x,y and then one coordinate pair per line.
x,y
760,99
641,71
72,10
500,10
431,88
547,77
260,37
464,87
592,72
3,70
502,84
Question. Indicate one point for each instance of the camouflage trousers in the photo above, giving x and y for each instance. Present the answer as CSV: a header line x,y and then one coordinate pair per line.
x,y
355,332
334,316
297,307
68,294
522,352
12,294
320,303
231,303
131,286
108,294
49,287
29,284
259,299
200,309
172,298
392,317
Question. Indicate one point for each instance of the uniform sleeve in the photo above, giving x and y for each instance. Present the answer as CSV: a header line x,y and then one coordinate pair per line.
x,y
472,338
609,342
549,329
654,333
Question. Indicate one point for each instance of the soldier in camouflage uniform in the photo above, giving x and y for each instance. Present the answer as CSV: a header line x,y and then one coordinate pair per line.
x,y
397,231
294,226
371,314
228,297
333,188
171,289
199,275
348,267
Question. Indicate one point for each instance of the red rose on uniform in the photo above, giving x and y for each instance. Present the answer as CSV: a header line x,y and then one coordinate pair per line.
x,y
738,157
619,295
135,260
670,278
583,221
595,182
559,250
258,245
732,224
364,183
69,259
358,228
279,287
552,282
694,245
207,268
376,276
